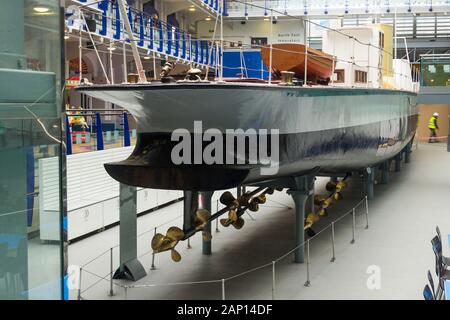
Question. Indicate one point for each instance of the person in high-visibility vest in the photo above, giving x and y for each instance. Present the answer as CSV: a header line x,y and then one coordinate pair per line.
x,y
433,126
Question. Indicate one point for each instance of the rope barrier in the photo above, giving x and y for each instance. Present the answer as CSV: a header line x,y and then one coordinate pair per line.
x,y
231,277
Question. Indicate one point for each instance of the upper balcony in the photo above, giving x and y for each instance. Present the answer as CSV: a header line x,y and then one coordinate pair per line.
x,y
152,35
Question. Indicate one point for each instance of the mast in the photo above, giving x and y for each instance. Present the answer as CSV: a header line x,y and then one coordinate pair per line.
x,y
221,41
137,59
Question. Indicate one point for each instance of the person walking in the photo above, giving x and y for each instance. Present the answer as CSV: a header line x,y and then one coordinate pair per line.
x,y
433,126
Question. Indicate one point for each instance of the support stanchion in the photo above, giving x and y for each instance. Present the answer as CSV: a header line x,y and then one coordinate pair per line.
x,y
153,257
353,226
223,289
217,220
111,270
333,245
367,213
126,131
308,282
273,280
79,285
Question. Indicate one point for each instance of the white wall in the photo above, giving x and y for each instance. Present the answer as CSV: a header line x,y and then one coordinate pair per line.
x,y
283,31
366,58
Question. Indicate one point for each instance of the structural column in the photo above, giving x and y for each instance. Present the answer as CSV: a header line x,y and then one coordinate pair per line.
x,y
369,179
205,203
130,267
190,204
300,194
398,162
385,171
408,152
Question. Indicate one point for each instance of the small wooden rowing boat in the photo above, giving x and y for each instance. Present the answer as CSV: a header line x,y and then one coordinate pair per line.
x,y
291,57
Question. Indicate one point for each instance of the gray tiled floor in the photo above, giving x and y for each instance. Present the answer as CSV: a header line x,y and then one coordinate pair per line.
x,y
403,217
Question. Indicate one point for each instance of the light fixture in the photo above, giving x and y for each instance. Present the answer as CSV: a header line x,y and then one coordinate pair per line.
x,y
41,9
266,19
192,8
66,37
111,48
208,18
146,58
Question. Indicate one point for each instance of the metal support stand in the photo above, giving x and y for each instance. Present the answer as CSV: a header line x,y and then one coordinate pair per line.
x,y
367,213
153,256
398,162
111,285
79,285
408,153
190,206
308,282
385,172
99,129
333,246
206,204
369,182
273,280
223,289
353,226
300,195
129,266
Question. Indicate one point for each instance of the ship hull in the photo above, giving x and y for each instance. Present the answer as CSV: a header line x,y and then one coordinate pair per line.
x,y
330,130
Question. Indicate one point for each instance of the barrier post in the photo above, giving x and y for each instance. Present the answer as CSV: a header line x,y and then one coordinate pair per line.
x,y
273,280
99,128
126,131
307,283
367,213
68,137
79,285
333,246
153,257
223,289
353,226
217,220
111,288
126,292
189,243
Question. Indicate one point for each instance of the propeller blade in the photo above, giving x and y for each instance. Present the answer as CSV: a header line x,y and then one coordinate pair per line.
x,y
253,206
175,233
331,186
176,256
232,215
341,185
337,196
260,199
311,218
157,241
318,199
323,213
239,223
225,222
228,200
328,202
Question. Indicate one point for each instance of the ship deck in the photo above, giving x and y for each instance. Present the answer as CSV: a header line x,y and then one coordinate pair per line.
x,y
157,85
403,217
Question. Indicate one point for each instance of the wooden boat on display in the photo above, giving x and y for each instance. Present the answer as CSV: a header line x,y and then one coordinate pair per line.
x,y
291,57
